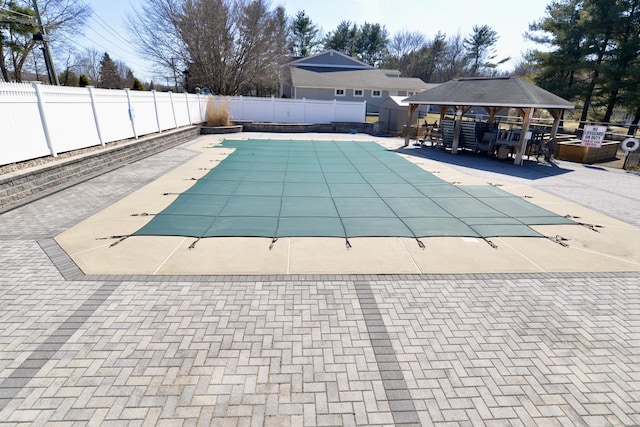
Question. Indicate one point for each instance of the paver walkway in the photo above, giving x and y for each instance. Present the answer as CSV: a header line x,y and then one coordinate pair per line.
x,y
279,350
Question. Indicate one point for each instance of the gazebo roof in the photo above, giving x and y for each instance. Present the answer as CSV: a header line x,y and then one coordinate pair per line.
x,y
505,92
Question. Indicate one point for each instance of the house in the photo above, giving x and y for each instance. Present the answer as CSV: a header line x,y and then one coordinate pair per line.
x,y
333,75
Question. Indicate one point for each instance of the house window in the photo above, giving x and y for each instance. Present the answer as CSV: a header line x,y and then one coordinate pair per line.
x,y
358,92
376,93
339,92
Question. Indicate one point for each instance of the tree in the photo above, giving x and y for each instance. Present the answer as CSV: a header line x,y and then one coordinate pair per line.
x,y
371,43
455,59
227,45
109,77
367,43
620,70
480,49
68,78
401,44
83,81
304,35
61,18
594,49
559,65
137,85
88,63
343,39
17,26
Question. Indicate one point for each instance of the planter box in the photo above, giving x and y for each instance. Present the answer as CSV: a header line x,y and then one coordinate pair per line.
x,y
217,130
574,152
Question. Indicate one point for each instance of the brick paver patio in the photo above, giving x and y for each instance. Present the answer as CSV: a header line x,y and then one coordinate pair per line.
x,y
325,350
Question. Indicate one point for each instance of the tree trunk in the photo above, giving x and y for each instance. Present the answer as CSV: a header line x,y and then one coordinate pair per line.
x,y
613,97
3,67
592,85
634,124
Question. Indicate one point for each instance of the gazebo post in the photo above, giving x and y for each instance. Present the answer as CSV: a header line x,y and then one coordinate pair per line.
x,y
522,146
556,113
443,111
407,135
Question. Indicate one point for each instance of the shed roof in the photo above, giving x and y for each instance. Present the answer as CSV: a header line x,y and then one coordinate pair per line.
x,y
364,79
490,92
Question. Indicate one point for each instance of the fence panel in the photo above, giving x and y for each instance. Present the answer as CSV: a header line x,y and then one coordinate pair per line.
x,y
70,118
144,112
322,111
181,109
295,110
197,108
288,110
165,110
113,114
21,134
347,112
70,121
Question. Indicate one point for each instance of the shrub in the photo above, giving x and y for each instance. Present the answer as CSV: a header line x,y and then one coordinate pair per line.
x,y
217,112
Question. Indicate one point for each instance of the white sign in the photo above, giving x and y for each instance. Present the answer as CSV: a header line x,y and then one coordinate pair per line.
x,y
593,136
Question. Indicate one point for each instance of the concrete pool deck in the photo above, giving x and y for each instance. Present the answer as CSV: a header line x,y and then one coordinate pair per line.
x,y
144,347
611,246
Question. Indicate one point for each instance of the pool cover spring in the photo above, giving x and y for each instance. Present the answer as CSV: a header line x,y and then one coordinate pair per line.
x,y
288,188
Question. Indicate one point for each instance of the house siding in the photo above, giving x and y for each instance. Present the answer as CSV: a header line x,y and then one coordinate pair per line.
x,y
373,103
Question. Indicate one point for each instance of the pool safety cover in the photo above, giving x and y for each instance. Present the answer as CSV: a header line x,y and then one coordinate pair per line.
x,y
288,188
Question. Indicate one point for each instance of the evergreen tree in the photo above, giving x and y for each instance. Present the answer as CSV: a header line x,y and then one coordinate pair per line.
x,y
371,43
303,35
480,49
84,81
109,78
343,39
137,84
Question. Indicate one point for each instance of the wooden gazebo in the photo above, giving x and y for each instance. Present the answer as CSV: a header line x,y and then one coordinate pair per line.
x,y
493,94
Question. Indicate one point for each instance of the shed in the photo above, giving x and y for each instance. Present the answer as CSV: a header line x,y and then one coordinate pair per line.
x,y
393,113
493,94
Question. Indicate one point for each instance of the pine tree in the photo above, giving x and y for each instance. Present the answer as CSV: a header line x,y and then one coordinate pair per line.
x,y
109,78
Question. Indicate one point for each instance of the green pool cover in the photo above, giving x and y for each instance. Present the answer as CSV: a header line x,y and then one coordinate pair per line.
x,y
288,188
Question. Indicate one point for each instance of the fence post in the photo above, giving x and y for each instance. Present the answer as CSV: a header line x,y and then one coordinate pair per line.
x,y
335,109
94,108
43,118
186,97
155,105
131,113
173,108
200,108
304,110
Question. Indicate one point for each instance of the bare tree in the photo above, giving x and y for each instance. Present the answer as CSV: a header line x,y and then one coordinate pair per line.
x,y
226,45
405,42
455,59
88,63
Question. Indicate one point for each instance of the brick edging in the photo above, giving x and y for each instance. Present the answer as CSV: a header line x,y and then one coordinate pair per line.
x,y
20,188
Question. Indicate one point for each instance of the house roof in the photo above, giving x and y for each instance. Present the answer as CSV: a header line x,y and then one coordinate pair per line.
x,y
357,79
490,92
330,58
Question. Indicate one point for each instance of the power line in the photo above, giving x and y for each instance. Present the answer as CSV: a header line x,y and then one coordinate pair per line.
x,y
101,22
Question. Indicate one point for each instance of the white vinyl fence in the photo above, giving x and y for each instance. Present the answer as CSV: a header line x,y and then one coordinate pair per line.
x,y
39,120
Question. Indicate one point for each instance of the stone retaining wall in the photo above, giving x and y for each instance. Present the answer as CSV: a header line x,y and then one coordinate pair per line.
x,y
335,127
23,186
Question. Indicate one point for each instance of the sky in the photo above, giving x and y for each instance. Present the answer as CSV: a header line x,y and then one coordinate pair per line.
x,y
106,30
